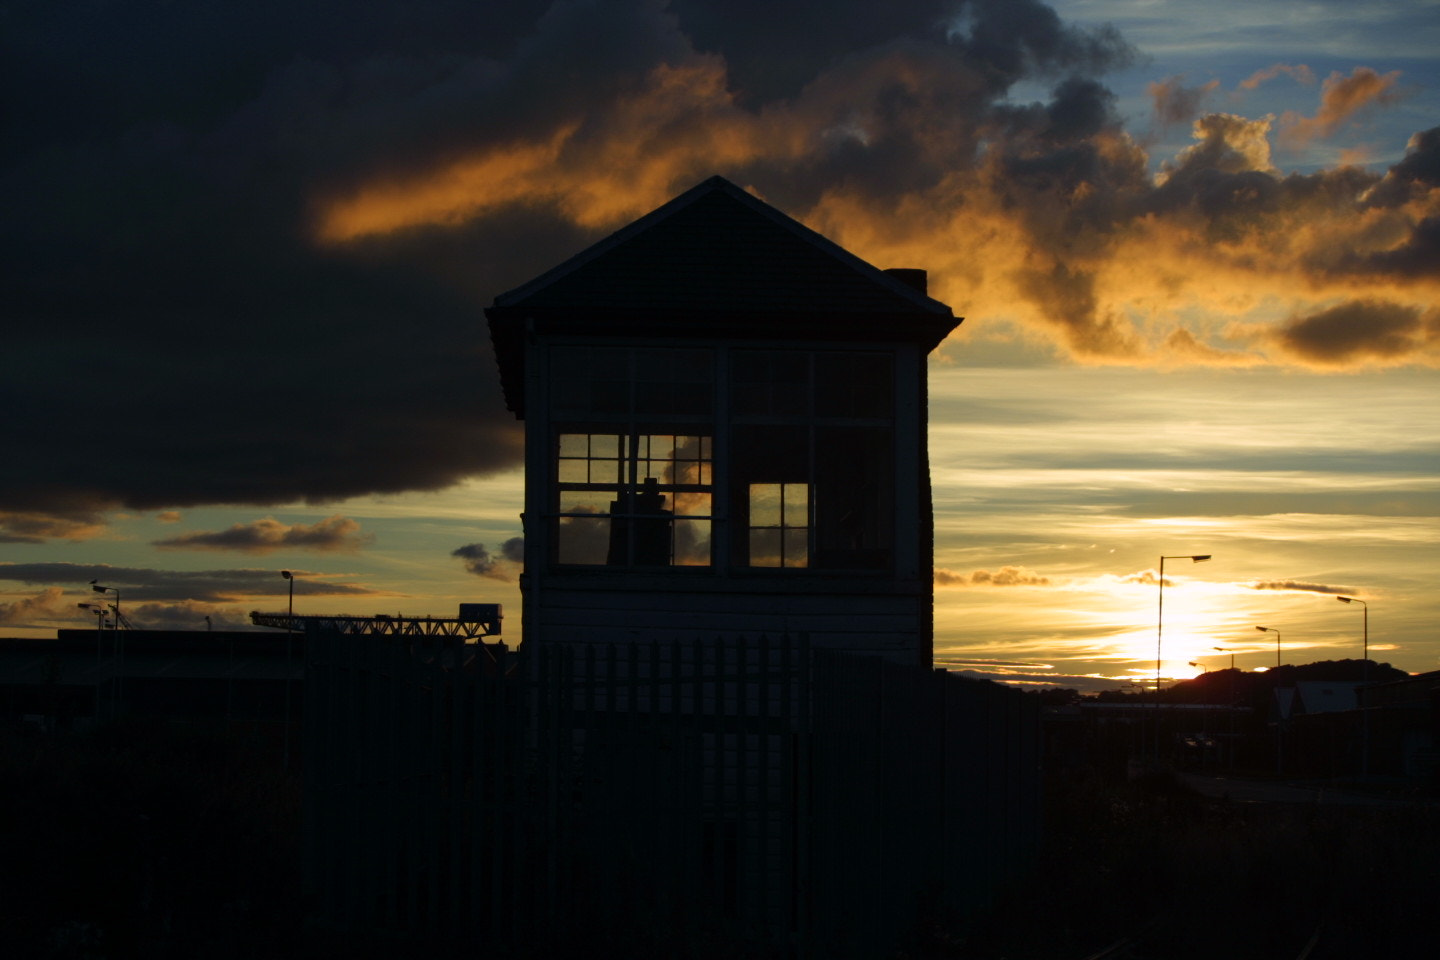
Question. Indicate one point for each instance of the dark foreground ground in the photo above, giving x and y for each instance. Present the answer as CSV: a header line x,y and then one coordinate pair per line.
x,y
1219,869
142,842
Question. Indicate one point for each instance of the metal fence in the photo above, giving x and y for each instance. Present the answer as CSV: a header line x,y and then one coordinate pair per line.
x,y
688,799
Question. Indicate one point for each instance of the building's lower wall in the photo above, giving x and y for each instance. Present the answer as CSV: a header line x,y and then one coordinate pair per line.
x,y
896,627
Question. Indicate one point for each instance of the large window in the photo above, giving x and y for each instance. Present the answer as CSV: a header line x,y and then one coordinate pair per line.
x,y
812,457
808,481
634,499
779,525
634,482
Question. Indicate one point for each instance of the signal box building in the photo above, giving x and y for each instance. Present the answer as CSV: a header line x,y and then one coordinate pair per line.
x,y
725,435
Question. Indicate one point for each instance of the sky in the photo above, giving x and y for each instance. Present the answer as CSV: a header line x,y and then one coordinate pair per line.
x,y
1197,247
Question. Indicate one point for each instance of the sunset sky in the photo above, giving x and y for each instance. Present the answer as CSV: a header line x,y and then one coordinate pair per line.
x,y
1197,247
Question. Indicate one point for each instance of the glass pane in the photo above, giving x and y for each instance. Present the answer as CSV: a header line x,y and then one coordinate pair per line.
x,y
587,501
689,504
573,471
765,548
692,543
583,540
765,504
575,445
797,548
854,385
605,445
797,505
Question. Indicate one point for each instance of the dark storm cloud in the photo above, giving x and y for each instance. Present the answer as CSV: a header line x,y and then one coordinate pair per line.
x,y
211,586
477,559
182,330
513,549
268,535
774,49
1360,329
481,562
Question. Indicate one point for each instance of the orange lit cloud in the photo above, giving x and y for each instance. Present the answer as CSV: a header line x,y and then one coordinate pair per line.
x,y
268,535
1042,219
1298,72
1341,98
598,172
46,604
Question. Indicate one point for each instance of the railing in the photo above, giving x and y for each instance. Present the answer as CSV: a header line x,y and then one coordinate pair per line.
x,y
760,793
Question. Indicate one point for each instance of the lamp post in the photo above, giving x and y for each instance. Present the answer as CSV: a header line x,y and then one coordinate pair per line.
x,y
290,578
101,589
1159,631
1365,678
1277,641
99,612
1230,713
1366,626
289,639
118,691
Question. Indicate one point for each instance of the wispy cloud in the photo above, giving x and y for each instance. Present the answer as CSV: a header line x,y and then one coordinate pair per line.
x,y
1296,71
267,535
207,586
1007,576
1299,586
38,527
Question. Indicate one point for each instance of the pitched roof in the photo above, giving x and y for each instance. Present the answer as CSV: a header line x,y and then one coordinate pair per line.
x,y
717,247
716,255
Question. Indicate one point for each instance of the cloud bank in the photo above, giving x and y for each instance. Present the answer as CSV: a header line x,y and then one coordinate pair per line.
x,y
247,246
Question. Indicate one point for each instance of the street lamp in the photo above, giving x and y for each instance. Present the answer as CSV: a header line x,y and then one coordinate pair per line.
x,y
1160,615
1229,651
1365,678
1277,641
1366,607
100,589
1159,630
290,578
99,612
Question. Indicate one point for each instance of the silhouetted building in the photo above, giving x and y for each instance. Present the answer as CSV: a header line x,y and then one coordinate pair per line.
x,y
725,434
243,680
722,727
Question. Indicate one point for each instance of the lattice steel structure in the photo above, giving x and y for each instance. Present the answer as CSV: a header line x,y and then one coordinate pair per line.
x,y
475,620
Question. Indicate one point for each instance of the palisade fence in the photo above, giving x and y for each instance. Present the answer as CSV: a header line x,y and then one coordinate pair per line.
x,y
759,798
